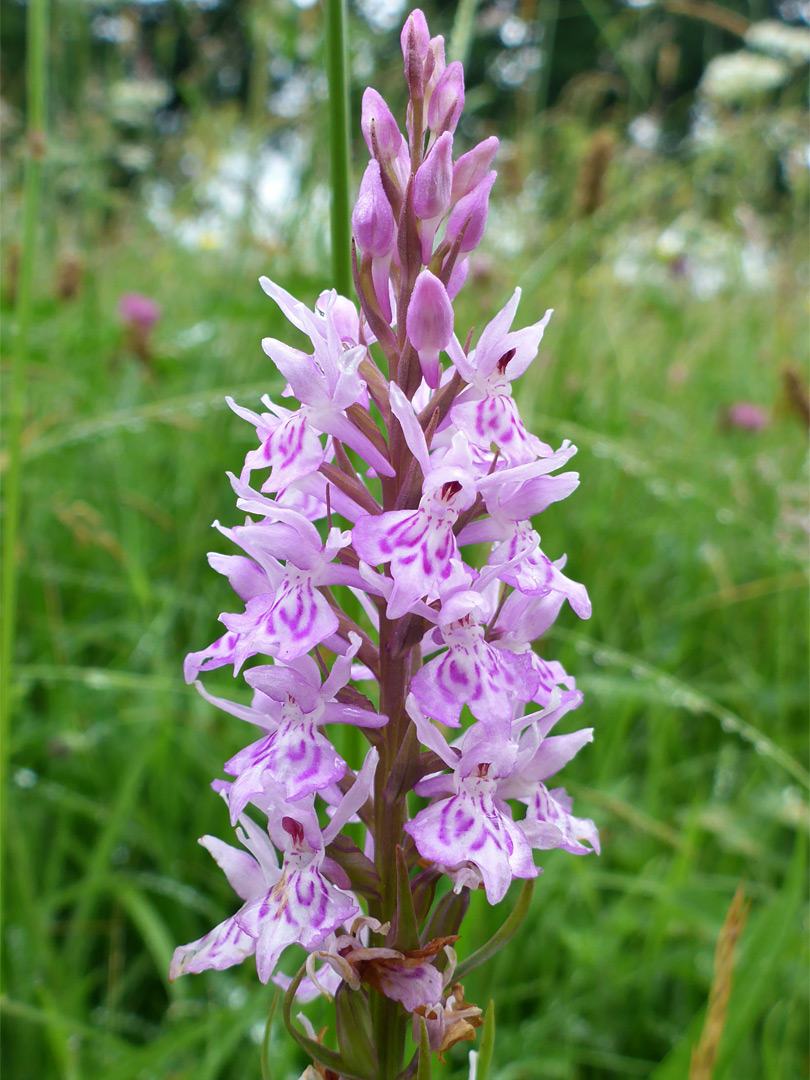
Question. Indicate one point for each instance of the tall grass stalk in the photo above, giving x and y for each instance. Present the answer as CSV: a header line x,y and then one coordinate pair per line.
x,y
462,33
339,144
37,91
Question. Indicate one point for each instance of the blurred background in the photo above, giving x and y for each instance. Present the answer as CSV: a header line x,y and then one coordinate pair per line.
x,y
653,189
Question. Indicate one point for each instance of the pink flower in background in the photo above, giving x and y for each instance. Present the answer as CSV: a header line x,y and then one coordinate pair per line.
x,y
746,416
137,310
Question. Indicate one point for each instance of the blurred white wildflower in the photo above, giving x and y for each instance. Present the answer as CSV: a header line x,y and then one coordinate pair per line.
x,y
382,15
515,221
645,131
135,101
704,258
780,40
742,76
246,187
134,157
794,10
293,96
118,29
513,31
510,68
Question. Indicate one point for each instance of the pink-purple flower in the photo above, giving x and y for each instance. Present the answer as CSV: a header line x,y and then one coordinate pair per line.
x,y
390,579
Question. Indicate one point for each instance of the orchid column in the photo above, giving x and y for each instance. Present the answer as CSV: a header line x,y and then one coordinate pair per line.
x,y
405,454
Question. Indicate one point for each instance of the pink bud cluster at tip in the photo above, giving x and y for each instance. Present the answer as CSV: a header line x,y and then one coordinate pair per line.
x,y
388,576
439,207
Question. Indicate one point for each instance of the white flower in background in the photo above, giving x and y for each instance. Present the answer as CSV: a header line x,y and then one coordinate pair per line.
x,y
780,40
742,76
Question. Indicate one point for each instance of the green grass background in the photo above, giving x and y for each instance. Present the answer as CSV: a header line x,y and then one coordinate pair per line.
x,y
693,667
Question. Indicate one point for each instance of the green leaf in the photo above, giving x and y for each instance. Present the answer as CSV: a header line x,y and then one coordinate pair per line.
x,y
507,931
446,917
322,1054
354,1030
756,981
484,1059
690,698
423,1070
155,935
405,929
268,1027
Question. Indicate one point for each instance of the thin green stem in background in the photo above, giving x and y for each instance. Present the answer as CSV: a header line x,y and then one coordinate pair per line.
x,y
462,33
337,73
37,88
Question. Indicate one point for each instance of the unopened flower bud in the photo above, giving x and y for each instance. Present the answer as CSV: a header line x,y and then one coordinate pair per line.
x,y
457,278
375,231
431,190
383,138
434,65
447,100
429,323
471,168
471,211
415,39
372,218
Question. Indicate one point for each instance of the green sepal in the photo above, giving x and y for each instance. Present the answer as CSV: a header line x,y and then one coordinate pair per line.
x,y
404,933
487,1043
361,870
510,927
405,769
423,1070
368,302
354,1031
445,919
423,889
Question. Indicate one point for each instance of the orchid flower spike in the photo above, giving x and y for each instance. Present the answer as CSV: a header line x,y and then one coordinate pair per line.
x,y
390,590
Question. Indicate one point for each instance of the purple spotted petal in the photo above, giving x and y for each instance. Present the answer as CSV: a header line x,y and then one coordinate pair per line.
x,y
550,674
519,562
422,551
221,948
218,654
555,752
285,625
471,827
474,673
295,755
493,418
412,986
549,823
302,908
291,450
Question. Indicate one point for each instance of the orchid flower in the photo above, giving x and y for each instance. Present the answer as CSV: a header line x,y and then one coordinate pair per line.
x,y
391,581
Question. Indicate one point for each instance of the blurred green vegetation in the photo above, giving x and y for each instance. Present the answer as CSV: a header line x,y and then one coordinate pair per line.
x,y
667,229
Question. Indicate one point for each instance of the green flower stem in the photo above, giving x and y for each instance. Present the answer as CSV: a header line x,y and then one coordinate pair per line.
x,y
36,88
337,73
